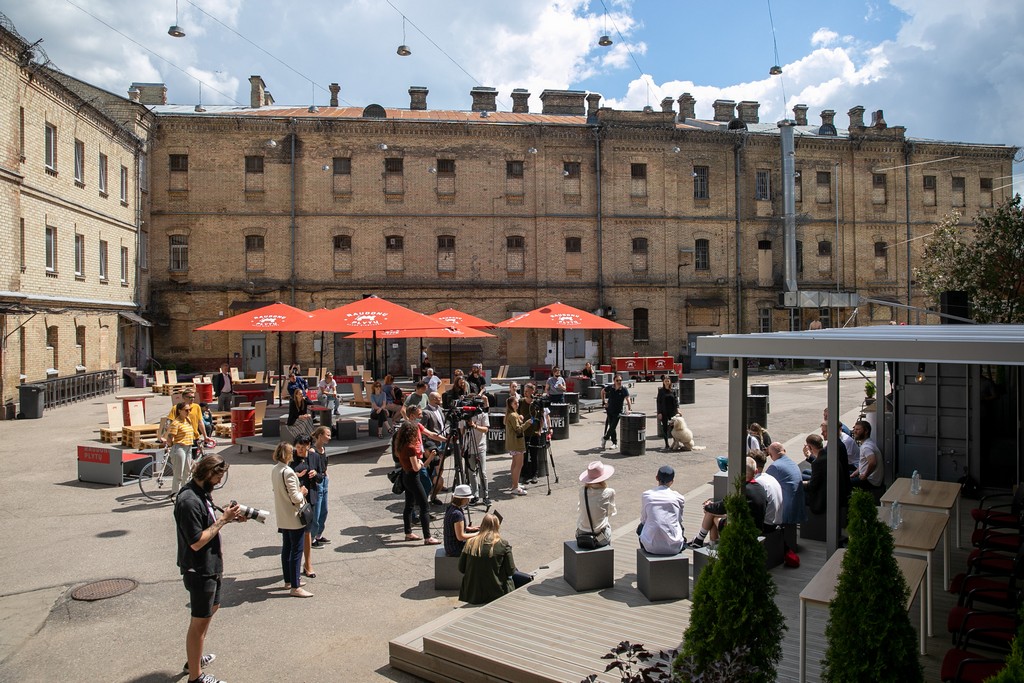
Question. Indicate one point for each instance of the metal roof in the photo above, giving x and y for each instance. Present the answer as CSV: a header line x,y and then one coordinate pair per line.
x,y
971,344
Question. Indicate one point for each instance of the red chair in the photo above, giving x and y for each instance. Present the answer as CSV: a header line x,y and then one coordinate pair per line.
x,y
987,628
1002,516
962,666
992,578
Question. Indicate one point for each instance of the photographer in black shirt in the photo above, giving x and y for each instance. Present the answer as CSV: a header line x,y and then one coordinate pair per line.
x,y
200,558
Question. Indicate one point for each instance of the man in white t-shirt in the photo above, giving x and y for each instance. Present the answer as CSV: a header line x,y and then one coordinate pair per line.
x,y
661,516
869,474
772,489
328,392
432,380
476,458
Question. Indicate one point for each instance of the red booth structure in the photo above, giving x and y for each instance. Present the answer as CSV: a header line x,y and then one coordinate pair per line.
x,y
243,423
647,367
634,365
110,465
204,392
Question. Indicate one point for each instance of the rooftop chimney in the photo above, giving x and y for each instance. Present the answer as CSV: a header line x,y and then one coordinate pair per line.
x,y
828,126
593,103
520,101
133,94
724,110
256,89
484,98
800,114
335,89
687,106
666,104
856,117
268,99
877,120
151,93
418,97
569,102
748,111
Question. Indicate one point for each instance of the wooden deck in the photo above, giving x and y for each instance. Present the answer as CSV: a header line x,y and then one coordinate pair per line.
x,y
548,632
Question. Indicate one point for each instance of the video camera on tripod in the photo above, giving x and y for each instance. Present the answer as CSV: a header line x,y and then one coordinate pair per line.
x,y
465,409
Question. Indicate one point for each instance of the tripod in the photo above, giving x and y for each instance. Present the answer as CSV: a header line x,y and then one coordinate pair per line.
x,y
541,445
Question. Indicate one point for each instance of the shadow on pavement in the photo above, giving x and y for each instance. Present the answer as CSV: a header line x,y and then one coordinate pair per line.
x,y
365,539
424,590
235,592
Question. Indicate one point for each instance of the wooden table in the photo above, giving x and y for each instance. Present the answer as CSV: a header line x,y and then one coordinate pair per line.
x,y
935,496
821,590
919,535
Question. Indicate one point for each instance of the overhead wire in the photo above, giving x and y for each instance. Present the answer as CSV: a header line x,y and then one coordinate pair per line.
x,y
775,45
155,54
646,78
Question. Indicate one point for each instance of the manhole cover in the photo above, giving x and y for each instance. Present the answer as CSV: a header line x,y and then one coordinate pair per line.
x,y
101,590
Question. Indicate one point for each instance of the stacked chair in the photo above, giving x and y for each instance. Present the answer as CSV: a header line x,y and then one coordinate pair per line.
x,y
987,615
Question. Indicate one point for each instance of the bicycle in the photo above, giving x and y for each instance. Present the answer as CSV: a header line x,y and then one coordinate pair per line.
x,y
156,477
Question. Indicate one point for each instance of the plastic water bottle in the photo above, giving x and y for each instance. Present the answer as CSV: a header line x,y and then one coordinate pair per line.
x,y
915,483
896,516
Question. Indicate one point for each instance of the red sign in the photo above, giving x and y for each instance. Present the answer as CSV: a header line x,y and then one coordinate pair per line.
x,y
629,364
659,364
94,454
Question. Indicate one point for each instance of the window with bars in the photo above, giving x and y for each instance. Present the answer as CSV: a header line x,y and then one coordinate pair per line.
x,y
701,188
638,180
824,256
878,188
394,253
446,254
178,164
79,255
341,177
342,253
254,174
342,166
124,265
178,257
446,177
762,185
959,191
928,190
515,254
881,258
79,163
639,254
255,253
823,188
514,169
394,176
574,254
702,255
985,185
764,319
641,331
103,260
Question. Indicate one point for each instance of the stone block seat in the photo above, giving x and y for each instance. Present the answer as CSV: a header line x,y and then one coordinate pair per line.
x,y
662,577
587,570
447,576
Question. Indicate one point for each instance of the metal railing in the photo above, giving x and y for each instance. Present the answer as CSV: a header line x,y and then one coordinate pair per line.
x,y
63,390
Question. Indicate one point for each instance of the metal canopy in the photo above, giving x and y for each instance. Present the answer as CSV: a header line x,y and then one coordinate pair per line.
x,y
971,344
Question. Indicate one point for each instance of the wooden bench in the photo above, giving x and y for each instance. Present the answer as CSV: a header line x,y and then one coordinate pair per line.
x,y
115,423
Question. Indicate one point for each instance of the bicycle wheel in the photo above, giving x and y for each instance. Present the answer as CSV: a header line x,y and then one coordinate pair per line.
x,y
223,480
155,479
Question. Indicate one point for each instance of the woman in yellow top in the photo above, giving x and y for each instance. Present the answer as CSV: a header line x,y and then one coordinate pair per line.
x,y
179,436
515,443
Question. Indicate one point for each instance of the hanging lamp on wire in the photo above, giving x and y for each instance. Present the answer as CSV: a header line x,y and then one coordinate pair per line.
x,y
175,30
312,99
605,40
403,49
199,107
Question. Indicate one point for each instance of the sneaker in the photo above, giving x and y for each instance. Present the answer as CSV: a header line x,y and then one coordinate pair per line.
x,y
487,502
474,500
519,491
695,543
206,678
436,501
316,544
204,662
323,541
533,480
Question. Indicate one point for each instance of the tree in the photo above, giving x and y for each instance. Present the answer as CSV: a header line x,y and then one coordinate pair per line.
x,y
986,261
869,635
734,616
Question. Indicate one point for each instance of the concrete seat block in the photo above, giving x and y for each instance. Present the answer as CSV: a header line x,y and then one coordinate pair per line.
x,y
447,576
775,548
345,430
662,577
720,482
587,570
701,557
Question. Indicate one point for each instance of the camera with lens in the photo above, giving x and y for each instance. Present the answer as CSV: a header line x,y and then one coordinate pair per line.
x,y
466,408
247,512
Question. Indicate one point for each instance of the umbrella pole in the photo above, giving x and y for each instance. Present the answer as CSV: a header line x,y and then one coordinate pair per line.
x,y
374,353
321,350
451,370
280,377
384,345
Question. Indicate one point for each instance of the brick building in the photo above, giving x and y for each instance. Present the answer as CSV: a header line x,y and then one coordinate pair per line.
x,y
70,215
669,224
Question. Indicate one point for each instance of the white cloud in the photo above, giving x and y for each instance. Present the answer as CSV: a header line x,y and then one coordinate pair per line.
x,y
824,37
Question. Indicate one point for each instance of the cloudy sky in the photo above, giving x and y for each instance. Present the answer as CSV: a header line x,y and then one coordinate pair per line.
x,y
945,69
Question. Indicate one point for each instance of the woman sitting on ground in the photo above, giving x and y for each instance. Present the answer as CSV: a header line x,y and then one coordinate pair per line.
x,y
456,530
596,506
488,570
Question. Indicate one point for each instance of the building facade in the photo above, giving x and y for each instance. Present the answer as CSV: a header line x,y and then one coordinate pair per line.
x,y
70,215
670,225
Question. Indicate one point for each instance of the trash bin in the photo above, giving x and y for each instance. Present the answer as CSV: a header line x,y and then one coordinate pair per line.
x,y
572,399
559,421
633,434
32,397
496,434
761,390
757,409
687,391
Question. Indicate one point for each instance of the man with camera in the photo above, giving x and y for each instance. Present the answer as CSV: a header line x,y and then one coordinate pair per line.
x,y
199,556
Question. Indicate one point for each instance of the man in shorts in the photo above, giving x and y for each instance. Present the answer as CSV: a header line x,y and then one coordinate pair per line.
x,y
200,558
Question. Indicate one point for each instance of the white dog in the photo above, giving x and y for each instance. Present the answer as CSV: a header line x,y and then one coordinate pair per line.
x,y
682,437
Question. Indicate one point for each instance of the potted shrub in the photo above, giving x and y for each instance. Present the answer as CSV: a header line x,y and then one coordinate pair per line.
x,y
869,392
869,634
734,619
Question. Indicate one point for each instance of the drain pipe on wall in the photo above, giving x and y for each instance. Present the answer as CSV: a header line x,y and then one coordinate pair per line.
x,y
600,237
737,156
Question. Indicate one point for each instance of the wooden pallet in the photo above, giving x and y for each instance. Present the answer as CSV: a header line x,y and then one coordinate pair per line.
x,y
132,436
169,389
223,430
110,435
221,417
149,445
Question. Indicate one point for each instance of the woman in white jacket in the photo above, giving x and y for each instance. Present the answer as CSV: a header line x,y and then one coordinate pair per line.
x,y
288,498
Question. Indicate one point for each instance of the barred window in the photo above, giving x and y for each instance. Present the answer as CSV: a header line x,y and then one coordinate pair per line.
x,y
342,166
446,166
178,163
573,245
702,255
571,169
343,243
178,252
515,254
513,169
254,242
446,253
700,182
824,248
394,165
254,164
394,243
763,188
640,325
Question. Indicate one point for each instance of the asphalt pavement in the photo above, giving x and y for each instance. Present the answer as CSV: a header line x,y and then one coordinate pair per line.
x,y
59,533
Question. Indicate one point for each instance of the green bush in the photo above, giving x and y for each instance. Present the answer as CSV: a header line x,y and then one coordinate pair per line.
x,y
734,615
1014,671
869,634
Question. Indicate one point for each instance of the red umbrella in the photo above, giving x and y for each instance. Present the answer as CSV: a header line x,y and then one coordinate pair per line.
x,y
558,316
371,314
448,333
456,317
273,318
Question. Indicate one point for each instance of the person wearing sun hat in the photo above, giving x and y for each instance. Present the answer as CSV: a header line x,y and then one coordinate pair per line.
x,y
456,530
600,499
